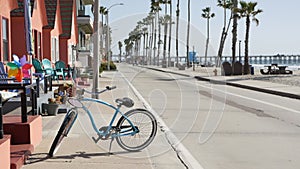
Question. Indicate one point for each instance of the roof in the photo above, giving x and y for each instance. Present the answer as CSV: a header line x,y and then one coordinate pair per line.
x,y
18,11
51,12
66,9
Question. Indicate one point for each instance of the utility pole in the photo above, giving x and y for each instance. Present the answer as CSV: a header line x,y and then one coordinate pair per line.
x,y
96,49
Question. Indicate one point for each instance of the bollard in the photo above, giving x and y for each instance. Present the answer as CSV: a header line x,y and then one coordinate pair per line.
x,y
216,72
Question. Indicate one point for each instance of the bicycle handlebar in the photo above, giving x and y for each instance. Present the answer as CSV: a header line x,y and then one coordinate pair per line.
x,y
107,88
82,90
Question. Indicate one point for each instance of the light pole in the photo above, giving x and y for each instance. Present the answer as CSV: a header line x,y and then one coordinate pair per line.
x,y
108,35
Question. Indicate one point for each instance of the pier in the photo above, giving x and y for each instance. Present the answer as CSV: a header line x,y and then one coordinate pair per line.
x,y
259,59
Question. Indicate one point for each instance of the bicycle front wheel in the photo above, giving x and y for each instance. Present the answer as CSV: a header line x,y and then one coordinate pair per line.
x,y
146,124
63,131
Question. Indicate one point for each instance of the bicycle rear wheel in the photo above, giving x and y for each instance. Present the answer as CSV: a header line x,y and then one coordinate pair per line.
x,y
146,124
63,131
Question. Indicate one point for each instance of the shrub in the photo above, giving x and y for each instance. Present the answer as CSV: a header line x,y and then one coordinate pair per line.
x,y
103,66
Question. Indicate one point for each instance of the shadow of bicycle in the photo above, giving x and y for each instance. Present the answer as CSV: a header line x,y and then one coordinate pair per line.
x,y
43,157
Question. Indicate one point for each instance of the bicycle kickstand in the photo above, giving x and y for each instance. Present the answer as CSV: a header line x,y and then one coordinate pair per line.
x,y
112,139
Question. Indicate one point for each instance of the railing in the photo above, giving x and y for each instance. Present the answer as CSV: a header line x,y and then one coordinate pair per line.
x,y
22,88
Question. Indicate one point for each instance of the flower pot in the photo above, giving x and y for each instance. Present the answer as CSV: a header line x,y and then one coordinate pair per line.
x,y
50,109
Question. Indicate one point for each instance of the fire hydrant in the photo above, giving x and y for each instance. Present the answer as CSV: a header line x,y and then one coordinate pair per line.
x,y
216,72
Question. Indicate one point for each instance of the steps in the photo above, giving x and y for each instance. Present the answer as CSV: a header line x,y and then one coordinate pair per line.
x,y
20,138
5,152
19,154
23,133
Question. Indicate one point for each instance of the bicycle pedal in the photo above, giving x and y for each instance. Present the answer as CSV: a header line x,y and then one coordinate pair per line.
x,y
103,129
96,140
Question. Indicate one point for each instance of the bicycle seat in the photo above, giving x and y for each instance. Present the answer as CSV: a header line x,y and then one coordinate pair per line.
x,y
125,101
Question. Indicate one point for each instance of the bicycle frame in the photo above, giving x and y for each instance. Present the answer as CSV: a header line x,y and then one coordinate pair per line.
x,y
109,127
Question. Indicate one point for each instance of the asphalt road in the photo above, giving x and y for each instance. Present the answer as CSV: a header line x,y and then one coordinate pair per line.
x,y
223,127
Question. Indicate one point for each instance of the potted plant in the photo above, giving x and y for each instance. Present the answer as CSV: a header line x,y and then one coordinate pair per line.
x,y
50,108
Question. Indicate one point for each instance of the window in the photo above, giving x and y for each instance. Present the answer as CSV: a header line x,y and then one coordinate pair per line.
x,y
37,44
54,50
5,38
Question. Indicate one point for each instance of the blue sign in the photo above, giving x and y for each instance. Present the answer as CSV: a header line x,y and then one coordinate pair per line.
x,y
192,57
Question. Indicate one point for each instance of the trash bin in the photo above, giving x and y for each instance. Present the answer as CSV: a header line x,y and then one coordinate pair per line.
x,y
252,70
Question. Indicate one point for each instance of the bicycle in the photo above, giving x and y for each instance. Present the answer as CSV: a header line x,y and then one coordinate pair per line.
x,y
134,131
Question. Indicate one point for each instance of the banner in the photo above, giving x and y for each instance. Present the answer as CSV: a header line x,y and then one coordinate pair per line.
x,y
28,30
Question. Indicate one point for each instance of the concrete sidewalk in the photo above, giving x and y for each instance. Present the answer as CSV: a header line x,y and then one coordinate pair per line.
x,y
78,150
252,82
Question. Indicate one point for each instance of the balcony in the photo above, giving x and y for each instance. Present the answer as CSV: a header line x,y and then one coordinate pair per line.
x,y
88,2
85,23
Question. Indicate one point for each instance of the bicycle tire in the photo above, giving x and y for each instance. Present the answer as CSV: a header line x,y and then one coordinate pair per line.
x,y
146,124
63,131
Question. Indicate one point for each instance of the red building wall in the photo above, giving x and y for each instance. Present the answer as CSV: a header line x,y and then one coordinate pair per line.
x,y
18,36
39,20
5,7
63,49
46,52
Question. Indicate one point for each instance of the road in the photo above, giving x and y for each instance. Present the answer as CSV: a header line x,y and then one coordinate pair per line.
x,y
222,127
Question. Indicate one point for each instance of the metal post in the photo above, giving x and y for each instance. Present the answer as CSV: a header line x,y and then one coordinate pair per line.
x,y
1,119
108,35
24,105
107,41
240,51
194,58
96,50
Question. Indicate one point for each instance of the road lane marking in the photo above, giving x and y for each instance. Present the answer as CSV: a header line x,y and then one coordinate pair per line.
x,y
252,99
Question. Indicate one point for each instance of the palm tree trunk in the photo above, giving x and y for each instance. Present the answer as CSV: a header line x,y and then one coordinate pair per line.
x,y
159,39
177,31
234,32
170,35
146,45
207,41
165,37
151,41
246,65
222,42
154,40
188,34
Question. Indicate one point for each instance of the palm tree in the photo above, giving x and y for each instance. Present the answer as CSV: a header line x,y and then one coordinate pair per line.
x,y
155,8
128,46
165,21
225,4
151,39
207,15
188,35
177,31
248,11
120,49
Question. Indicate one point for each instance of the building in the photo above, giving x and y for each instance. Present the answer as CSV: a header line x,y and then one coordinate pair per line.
x,y
5,28
60,29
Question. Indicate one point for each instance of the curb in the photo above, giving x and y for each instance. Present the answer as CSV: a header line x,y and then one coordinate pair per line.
x,y
274,92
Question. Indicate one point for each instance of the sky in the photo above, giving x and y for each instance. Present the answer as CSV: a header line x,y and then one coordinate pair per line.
x,y
277,32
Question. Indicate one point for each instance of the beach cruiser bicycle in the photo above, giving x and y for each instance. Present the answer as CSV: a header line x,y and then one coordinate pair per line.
x,y
134,131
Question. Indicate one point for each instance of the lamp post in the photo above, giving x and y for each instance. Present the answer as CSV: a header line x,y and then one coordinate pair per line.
x,y
108,35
